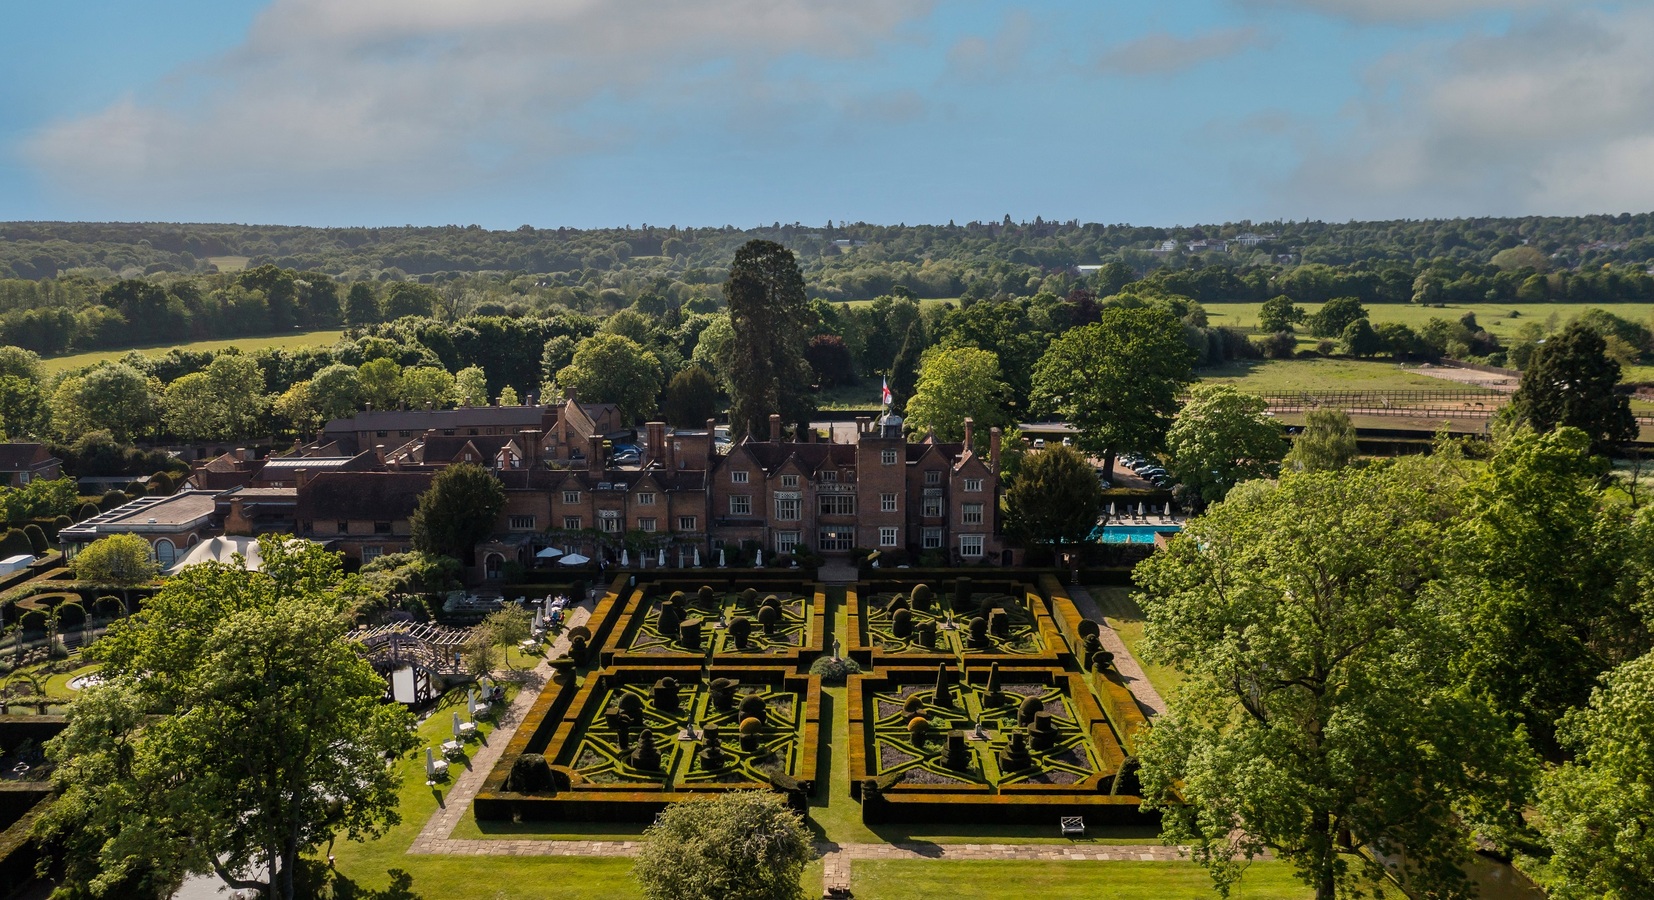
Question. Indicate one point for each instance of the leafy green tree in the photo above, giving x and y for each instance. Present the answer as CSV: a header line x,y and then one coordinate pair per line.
x,y
222,402
1116,381
381,382
1314,661
23,409
457,511
1359,339
1545,585
743,845
1336,315
471,386
361,306
16,362
1326,444
247,683
609,368
1279,314
426,386
1595,810
955,385
113,397
335,392
1221,438
1055,498
691,398
508,396
769,315
40,499
122,561
1571,381
407,298
557,353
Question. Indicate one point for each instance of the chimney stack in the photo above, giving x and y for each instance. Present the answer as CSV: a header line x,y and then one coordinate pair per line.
x,y
862,424
594,454
775,428
970,431
531,447
993,449
711,442
656,442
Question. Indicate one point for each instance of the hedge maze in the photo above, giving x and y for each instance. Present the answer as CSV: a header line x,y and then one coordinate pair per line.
x,y
983,700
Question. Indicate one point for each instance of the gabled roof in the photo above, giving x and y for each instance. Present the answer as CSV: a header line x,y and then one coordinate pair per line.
x,y
423,419
375,496
809,457
21,456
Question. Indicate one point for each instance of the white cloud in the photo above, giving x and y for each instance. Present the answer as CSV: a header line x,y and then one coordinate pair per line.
x,y
433,94
1163,53
997,55
1553,117
1408,11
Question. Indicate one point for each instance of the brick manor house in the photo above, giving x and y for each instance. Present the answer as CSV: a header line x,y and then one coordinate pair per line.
x,y
356,486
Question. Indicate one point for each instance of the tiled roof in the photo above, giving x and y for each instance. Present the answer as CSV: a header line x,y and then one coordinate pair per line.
x,y
376,496
20,457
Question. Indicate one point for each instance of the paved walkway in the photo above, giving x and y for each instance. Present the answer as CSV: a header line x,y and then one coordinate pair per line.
x,y
1130,671
435,836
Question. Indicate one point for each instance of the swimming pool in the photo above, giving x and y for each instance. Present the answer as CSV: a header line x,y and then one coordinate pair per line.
x,y
1131,534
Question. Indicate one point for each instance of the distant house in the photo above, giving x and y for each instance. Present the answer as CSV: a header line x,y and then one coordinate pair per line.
x,y
21,463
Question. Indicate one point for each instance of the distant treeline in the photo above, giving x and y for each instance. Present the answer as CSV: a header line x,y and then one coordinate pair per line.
x,y
83,286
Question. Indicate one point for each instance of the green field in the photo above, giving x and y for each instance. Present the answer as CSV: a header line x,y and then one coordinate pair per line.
x,y
281,341
1495,317
1281,376
229,263
1127,619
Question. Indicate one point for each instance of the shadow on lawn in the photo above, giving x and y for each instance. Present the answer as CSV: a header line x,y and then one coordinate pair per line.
x,y
324,883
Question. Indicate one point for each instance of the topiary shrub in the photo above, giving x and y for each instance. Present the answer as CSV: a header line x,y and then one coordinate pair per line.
x,y
926,633
671,616
722,691
689,633
581,632
579,652
979,633
15,543
961,593
921,597
916,728
60,523
37,538
994,694
999,624
768,616
704,595
798,797
622,722
645,755
957,757
740,631
754,707
1089,645
1042,734
632,705
1026,712
665,694
111,499
529,774
751,730
897,604
834,671
86,511
1102,661
772,602
942,694
913,705
1016,757
901,624
1087,629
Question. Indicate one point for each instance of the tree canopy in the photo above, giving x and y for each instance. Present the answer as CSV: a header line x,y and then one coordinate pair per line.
x,y
1572,382
1326,443
611,368
768,313
1055,498
744,845
457,511
245,684
955,385
1220,438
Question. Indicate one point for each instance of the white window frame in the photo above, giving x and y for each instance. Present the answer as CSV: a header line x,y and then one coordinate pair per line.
x,y
933,477
889,536
836,501
970,513
887,457
740,504
932,539
372,552
520,523
973,485
841,538
571,497
646,498
738,476
887,503
830,476
790,481
571,523
933,508
787,541
649,525
788,509
970,546
686,523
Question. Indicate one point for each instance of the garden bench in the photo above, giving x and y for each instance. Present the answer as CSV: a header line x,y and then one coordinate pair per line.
x,y
1072,825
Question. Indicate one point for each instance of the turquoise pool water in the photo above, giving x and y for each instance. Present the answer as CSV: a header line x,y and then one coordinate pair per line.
x,y
1131,534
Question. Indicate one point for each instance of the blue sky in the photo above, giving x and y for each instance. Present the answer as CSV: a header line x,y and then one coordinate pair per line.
x,y
707,112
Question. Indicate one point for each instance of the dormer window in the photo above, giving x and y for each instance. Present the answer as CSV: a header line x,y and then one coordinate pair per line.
x,y
829,476
933,477
789,481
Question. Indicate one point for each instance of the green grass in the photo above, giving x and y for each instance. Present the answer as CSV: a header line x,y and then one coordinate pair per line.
x,y
229,263
968,880
1127,619
1277,376
1495,317
248,344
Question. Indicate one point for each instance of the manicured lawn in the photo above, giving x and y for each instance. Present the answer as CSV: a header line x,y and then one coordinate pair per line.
x,y
1281,376
992,880
249,344
1127,619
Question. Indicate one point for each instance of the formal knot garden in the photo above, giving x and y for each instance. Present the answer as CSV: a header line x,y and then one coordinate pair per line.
x,y
969,700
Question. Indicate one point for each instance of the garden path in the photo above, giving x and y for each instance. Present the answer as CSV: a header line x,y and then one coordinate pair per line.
x,y
1130,672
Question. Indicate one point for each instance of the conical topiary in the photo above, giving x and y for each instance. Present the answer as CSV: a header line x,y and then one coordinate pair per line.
x,y
995,695
942,695
645,755
897,602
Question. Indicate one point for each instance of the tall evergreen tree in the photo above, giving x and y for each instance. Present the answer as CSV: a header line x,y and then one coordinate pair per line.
x,y
769,314
1572,381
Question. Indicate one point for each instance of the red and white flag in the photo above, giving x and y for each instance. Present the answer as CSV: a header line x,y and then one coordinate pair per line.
x,y
885,396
